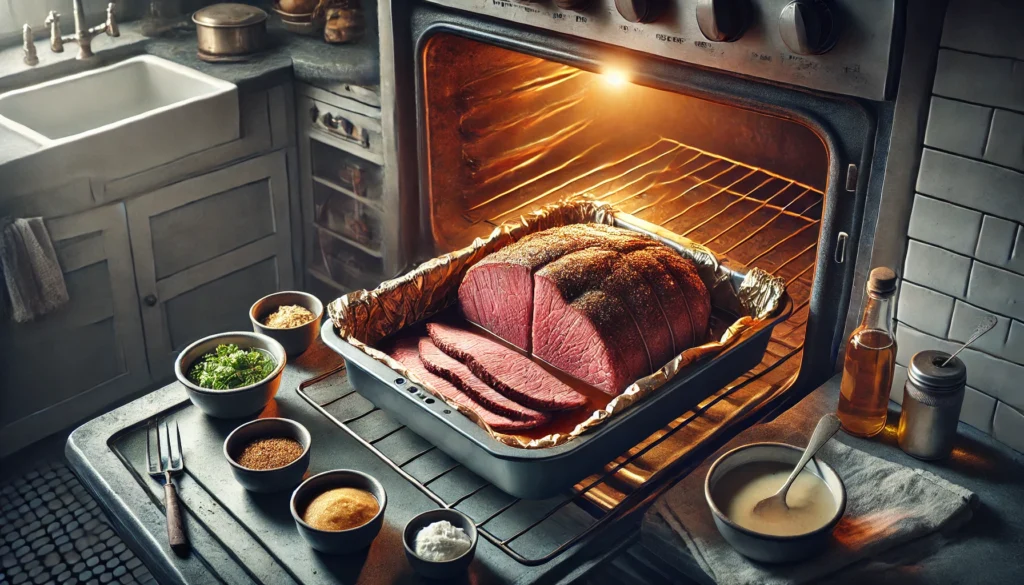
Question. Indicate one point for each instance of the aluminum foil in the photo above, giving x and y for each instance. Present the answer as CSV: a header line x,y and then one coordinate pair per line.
x,y
363,318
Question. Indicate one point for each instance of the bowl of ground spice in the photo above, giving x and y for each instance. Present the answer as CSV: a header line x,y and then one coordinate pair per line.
x,y
290,317
231,375
340,511
268,454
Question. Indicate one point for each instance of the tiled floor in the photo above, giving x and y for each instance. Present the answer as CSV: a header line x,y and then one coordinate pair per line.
x,y
53,531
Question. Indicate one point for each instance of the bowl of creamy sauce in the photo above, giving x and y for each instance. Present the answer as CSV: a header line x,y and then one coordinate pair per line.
x,y
741,478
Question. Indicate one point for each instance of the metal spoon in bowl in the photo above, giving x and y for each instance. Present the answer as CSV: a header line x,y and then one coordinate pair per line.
x,y
827,426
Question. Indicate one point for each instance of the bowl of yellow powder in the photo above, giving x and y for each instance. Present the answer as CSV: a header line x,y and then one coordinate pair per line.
x,y
291,317
340,511
268,454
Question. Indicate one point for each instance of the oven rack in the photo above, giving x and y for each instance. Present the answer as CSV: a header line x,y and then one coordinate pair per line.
x,y
602,512
745,213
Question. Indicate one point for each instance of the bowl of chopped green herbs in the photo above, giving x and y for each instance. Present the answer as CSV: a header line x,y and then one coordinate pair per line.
x,y
231,375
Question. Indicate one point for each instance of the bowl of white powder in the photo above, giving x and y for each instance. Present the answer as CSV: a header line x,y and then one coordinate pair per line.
x,y
440,543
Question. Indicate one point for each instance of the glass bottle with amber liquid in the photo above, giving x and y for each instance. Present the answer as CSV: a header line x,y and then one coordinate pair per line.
x,y
870,360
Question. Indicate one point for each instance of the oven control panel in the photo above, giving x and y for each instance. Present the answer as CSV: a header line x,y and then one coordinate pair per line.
x,y
837,46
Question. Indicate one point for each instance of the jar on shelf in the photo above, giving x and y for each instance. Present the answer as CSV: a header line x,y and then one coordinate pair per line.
x,y
345,21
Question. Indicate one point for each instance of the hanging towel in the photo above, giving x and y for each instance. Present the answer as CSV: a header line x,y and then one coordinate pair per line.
x,y
894,514
34,282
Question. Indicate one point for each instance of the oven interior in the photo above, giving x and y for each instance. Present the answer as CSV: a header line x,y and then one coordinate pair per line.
x,y
508,132
504,132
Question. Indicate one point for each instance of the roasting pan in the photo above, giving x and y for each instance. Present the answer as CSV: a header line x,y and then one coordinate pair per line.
x,y
543,473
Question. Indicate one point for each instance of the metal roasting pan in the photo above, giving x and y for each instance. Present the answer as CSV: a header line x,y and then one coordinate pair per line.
x,y
542,473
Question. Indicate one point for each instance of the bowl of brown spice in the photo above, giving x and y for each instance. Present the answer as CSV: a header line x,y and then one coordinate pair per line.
x,y
340,511
268,454
291,317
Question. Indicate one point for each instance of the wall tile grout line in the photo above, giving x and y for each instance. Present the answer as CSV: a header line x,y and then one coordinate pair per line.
x,y
971,158
970,103
988,134
993,56
973,306
964,207
972,348
962,255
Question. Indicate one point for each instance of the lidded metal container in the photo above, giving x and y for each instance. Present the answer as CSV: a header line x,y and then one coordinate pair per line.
x,y
230,32
932,398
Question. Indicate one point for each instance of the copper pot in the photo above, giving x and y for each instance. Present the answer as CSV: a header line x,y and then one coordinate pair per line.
x,y
230,32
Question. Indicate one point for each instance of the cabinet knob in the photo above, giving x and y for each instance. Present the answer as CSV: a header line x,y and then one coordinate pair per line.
x,y
150,300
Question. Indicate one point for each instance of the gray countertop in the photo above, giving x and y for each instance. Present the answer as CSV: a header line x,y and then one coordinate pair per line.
x,y
307,59
247,539
989,549
239,537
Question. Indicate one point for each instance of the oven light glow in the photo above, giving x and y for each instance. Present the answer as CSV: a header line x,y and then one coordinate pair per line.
x,y
614,77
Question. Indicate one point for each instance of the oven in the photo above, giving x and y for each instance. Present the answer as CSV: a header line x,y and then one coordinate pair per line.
x,y
757,128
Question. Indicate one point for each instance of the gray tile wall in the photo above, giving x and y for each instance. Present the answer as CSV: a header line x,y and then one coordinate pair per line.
x,y
965,256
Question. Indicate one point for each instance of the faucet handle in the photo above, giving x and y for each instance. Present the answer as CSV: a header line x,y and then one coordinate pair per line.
x,y
53,21
29,46
112,28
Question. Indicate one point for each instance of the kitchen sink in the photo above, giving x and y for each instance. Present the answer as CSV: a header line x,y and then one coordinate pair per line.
x,y
141,101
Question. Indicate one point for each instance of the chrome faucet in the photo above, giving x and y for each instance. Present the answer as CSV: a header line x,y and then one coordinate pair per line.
x,y
83,35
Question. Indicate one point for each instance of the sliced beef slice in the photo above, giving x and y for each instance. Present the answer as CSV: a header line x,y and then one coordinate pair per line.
x,y
439,363
583,329
406,352
505,370
698,300
497,292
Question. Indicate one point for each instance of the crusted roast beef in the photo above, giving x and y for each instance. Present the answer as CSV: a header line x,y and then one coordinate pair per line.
x,y
505,370
582,327
605,304
672,300
497,292
441,364
698,301
406,351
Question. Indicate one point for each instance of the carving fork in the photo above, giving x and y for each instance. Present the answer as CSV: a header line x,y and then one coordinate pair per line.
x,y
170,461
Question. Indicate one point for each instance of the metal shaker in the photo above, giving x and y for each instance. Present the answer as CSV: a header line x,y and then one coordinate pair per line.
x,y
932,398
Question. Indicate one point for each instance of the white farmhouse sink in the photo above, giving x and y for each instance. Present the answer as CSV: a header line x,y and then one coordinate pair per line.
x,y
143,103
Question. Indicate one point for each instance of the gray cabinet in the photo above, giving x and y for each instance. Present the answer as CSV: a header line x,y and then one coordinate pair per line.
x,y
73,362
205,249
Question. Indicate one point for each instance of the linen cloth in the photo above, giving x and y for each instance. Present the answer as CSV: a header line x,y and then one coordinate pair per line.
x,y
33,281
894,515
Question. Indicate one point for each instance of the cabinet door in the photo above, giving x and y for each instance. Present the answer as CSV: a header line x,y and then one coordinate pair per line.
x,y
205,249
72,363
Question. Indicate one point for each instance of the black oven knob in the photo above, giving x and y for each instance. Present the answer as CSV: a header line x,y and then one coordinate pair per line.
x,y
572,4
640,10
808,27
723,20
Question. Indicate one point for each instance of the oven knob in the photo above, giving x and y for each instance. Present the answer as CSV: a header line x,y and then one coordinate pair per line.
x,y
808,27
640,10
723,20
571,4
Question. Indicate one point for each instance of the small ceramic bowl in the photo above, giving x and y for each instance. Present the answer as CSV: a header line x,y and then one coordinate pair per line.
x,y
338,541
439,569
268,480
237,402
295,339
768,548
